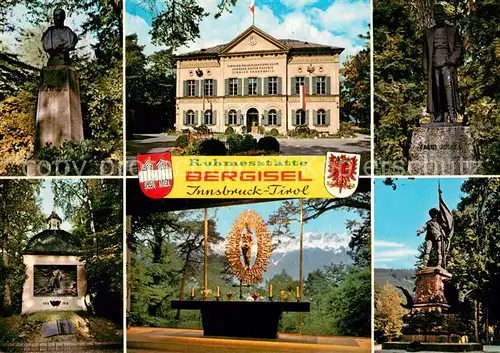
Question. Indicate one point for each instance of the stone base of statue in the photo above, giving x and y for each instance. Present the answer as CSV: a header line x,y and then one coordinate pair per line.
x,y
442,149
59,112
429,291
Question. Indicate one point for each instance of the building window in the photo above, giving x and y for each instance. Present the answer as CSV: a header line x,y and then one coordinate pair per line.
x,y
300,117
191,88
321,117
252,86
298,82
209,87
233,117
209,118
273,117
190,118
272,85
321,85
233,86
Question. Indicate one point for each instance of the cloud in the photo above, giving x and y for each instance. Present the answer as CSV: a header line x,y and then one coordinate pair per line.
x,y
296,24
344,16
388,244
395,255
139,26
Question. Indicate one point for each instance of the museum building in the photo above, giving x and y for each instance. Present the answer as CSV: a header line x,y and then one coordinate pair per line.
x,y
255,80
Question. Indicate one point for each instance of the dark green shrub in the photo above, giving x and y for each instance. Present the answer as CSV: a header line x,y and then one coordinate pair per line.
x,y
249,143
346,130
274,132
239,143
268,144
182,141
229,131
243,129
262,130
212,147
203,129
302,130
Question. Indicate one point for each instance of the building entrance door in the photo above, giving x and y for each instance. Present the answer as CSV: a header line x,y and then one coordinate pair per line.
x,y
252,119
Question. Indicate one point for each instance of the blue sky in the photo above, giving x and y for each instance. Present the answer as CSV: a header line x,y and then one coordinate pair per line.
x,y
336,23
399,213
331,224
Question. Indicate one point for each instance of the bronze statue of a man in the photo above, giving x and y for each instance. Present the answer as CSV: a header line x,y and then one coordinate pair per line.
x,y
59,40
433,237
442,50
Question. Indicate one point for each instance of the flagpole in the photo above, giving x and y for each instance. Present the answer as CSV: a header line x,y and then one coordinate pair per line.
x,y
253,17
205,257
301,255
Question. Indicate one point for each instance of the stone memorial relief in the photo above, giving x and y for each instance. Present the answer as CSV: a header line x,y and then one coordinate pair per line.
x,y
442,147
59,115
58,281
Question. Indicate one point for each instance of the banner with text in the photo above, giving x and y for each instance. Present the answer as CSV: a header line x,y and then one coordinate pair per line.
x,y
163,175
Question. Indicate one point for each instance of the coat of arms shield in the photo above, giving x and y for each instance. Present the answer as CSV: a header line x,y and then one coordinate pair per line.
x,y
155,174
341,173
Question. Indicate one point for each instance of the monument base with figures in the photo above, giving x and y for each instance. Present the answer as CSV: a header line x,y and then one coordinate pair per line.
x,y
442,149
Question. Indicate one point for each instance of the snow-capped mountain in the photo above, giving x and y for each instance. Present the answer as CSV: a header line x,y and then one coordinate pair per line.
x,y
319,249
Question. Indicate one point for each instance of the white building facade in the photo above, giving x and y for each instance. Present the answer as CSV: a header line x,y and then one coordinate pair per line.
x,y
254,81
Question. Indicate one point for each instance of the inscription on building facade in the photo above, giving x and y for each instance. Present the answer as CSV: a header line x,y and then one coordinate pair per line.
x,y
257,68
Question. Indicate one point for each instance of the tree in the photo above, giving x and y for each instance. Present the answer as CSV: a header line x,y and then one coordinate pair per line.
x,y
388,317
350,304
355,88
20,217
96,213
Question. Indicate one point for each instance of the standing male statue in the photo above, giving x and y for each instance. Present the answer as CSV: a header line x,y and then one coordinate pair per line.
x,y
442,50
59,40
433,238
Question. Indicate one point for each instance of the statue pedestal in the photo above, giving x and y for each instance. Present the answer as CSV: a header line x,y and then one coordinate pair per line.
x,y
442,149
429,292
59,112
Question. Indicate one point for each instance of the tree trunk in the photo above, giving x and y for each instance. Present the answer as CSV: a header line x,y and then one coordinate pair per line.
x,y
7,293
476,321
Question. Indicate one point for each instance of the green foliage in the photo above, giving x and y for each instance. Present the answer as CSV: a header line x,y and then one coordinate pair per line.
x,y
96,213
182,141
355,88
346,130
229,131
274,132
17,131
268,143
212,147
202,129
240,143
352,313
20,217
243,129
360,243
388,316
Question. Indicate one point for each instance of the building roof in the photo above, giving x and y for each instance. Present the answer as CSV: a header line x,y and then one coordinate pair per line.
x,y
53,242
289,44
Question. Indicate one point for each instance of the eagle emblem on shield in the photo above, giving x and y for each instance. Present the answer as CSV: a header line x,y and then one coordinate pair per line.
x,y
156,176
341,173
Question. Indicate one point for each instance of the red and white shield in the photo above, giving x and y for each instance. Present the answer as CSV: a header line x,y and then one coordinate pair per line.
x,y
155,174
341,173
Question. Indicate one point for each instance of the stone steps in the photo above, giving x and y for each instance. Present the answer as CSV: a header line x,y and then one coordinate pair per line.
x,y
76,347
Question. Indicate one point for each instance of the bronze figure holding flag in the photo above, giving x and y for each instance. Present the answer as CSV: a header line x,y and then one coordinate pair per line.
x,y
439,231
